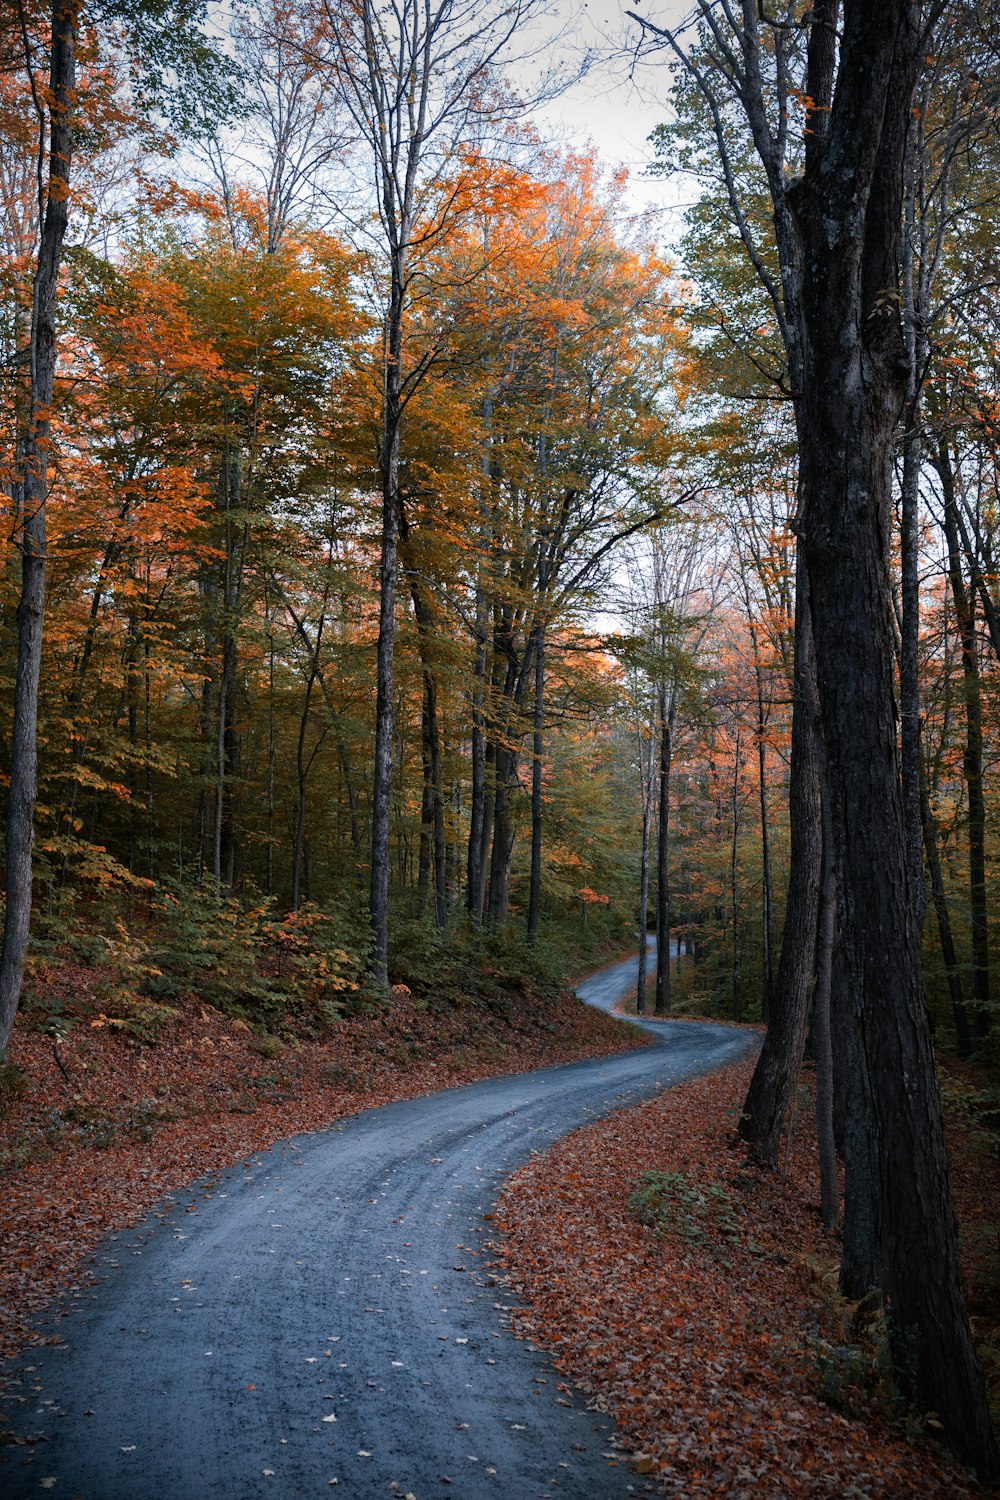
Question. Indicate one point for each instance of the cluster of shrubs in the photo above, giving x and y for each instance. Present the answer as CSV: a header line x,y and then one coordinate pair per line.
x,y
294,972
287,974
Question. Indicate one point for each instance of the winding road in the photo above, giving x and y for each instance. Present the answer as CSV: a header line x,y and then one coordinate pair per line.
x,y
323,1321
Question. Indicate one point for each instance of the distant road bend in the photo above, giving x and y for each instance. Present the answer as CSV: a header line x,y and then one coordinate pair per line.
x,y
324,1323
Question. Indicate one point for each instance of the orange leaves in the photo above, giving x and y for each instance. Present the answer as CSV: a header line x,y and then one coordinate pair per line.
x,y
703,1350
478,189
591,898
140,1122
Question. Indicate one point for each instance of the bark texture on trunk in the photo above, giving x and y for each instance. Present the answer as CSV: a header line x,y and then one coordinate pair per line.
x,y
385,706
941,912
838,228
34,492
432,866
767,899
773,1083
477,789
537,749
646,774
964,600
848,214
667,715
909,588
822,1036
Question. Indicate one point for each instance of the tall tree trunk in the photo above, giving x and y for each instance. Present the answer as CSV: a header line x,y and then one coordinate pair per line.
x,y
837,225
503,836
208,735
226,738
220,771
302,764
822,1038
777,1070
271,749
667,716
849,216
453,846
537,748
734,903
945,935
31,609
476,861
477,790
385,715
439,851
231,747
507,754
767,896
432,873
972,759
909,650
486,842
147,730
426,809
133,648
646,775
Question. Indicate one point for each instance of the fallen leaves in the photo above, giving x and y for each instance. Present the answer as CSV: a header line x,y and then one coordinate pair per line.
x,y
700,1336
84,1158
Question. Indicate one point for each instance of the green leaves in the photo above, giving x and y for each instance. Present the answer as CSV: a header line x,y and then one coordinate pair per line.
x,y
678,1204
178,71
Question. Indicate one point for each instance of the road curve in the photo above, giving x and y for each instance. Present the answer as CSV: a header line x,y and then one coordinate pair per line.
x,y
322,1321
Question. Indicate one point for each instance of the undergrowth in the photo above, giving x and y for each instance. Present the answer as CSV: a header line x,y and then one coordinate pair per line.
x,y
287,975
675,1203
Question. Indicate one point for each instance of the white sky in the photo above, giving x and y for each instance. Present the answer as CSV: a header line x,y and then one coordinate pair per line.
x,y
615,106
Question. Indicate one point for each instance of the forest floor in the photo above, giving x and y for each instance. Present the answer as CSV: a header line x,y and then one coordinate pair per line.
x,y
716,1339
707,1320
103,1122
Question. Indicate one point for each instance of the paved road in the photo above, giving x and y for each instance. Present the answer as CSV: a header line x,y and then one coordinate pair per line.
x,y
326,1314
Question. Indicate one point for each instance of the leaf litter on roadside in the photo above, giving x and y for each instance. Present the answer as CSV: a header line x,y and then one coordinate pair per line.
x,y
699,1330
87,1156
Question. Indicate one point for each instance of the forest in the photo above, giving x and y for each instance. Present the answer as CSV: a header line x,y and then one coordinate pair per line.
x,y
419,577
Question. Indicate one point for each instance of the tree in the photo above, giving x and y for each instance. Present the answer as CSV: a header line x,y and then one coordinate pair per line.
x,y
418,83
668,620
838,218
56,118
292,134
151,27
556,336
953,120
741,358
